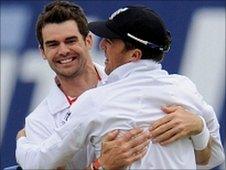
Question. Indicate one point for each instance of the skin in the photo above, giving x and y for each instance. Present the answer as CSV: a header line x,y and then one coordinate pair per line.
x,y
67,53
177,124
118,153
127,153
116,55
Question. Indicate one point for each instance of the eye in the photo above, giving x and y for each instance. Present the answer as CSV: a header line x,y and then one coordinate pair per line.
x,y
52,45
71,41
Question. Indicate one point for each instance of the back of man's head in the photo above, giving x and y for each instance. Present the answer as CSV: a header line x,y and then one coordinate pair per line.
x,y
139,27
58,12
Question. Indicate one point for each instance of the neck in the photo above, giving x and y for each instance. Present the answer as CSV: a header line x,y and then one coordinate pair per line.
x,y
75,86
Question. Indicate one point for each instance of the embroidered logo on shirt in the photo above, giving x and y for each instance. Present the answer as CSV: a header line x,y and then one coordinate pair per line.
x,y
65,119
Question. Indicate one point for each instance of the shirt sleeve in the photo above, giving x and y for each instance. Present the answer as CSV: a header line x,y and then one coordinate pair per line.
x,y
207,112
217,151
37,130
191,99
65,141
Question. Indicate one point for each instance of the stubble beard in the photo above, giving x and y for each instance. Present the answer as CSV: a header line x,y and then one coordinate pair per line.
x,y
68,74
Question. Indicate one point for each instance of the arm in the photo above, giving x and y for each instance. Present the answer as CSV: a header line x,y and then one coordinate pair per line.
x,y
120,152
64,142
20,135
57,149
179,123
37,130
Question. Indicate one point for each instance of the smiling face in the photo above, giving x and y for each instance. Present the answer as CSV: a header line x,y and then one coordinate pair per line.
x,y
65,49
116,54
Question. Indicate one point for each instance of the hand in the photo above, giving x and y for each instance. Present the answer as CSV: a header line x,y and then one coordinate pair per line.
x,y
178,123
20,134
120,152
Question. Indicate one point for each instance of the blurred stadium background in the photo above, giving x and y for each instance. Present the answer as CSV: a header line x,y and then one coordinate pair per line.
x,y
198,51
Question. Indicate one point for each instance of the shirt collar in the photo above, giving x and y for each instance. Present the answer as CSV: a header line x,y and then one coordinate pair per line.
x,y
126,69
57,101
102,74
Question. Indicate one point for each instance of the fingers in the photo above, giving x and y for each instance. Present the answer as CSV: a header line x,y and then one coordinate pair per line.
x,y
168,109
135,157
139,140
171,108
160,122
124,150
110,136
163,124
127,140
166,136
109,142
172,139
131,133
136,150
21,133
162,129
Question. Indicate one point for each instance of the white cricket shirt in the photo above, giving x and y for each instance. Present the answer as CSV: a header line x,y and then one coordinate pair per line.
x,y
50,114
132,96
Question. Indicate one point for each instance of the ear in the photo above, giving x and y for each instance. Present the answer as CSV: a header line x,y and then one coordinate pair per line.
x,y
89,41
42,52
136,55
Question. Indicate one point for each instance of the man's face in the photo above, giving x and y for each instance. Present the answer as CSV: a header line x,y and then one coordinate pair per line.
x,y
65,48
115,54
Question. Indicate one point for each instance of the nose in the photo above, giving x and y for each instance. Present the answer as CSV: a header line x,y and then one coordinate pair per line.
x,y
63,49
102,44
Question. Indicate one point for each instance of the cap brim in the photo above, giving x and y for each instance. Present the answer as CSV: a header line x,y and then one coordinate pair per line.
x,y
100,29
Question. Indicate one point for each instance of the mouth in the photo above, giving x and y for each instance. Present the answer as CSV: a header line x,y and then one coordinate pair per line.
x,y
67,60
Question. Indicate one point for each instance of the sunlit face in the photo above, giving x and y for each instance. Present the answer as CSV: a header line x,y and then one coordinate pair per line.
x,y
114,53
65,49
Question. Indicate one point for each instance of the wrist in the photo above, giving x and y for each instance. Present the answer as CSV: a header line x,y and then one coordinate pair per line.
x,y
96,165
200,141
200,125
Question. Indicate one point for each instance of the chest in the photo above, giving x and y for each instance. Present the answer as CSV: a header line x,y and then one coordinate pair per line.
x,y
62,117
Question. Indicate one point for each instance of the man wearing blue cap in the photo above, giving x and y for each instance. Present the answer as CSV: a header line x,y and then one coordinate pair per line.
x,y
135,40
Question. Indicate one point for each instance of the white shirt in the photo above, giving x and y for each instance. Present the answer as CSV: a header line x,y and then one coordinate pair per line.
x,y
50,114
132,96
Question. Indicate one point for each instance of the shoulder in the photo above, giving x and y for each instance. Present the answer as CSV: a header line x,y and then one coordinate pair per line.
x,y
39,124
182,81
41,112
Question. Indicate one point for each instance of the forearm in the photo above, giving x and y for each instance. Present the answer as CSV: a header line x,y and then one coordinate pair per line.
x,y
202,157
217,151
47,155
202,145
26,154
208,154
217,156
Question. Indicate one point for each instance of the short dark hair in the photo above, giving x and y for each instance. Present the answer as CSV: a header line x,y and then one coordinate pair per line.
x,y
148,53
58,12
139,27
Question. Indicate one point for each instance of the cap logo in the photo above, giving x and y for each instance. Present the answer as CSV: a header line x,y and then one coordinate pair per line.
x,y
117,12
